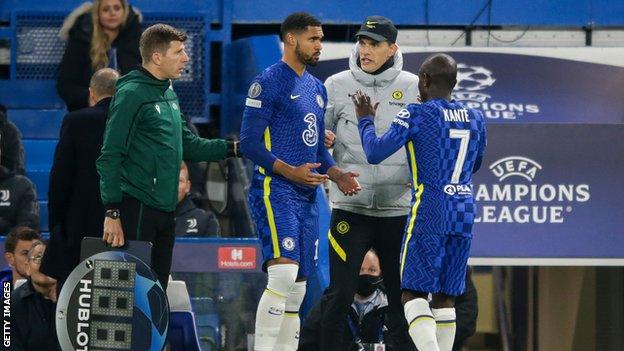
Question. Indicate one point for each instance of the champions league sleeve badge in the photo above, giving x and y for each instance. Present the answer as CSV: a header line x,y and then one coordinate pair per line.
x,y
112,301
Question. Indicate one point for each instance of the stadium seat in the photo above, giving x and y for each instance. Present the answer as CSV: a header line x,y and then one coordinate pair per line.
x,y
39,154
38,124
41,180
182,335
207,322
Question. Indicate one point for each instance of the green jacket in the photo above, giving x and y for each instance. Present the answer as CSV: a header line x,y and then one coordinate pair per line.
x,y
145,141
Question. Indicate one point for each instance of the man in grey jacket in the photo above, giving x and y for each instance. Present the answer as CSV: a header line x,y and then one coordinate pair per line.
x,y
376,216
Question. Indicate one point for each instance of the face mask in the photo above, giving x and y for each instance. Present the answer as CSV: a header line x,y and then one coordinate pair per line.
x,y
367,284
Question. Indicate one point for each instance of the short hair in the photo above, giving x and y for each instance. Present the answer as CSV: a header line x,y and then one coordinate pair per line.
x,y
17,234
103,81
442,69
297,22
157,39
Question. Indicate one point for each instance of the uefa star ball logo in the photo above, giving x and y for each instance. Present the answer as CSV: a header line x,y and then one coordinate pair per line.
x,y
472,84
112,301
471,78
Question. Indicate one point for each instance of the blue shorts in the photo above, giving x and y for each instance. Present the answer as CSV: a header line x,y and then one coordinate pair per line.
x,y
435,263
288,227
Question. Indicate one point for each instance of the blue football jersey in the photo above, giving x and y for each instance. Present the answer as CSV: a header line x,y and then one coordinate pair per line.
x,y
291,111
444,141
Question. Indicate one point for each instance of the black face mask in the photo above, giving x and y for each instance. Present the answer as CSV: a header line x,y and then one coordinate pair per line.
x,y
367,284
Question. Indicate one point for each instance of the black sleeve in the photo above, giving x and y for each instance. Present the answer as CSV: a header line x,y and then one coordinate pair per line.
x,y
212,225
61,175
71,85
12,149
28,207
466,311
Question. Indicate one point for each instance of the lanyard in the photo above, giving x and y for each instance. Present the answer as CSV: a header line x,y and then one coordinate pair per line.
x,y
355,331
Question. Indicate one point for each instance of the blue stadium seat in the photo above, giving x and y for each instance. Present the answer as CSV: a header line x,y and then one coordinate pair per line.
x,y
38,124
182,335
207,321
39,154
41,181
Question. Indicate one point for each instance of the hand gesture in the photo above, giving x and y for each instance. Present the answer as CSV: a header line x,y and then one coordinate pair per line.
x,y
330,137
113,233
363,106
304,175
348,184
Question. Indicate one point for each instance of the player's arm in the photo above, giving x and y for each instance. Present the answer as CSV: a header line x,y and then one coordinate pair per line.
x,y
256,118
376,148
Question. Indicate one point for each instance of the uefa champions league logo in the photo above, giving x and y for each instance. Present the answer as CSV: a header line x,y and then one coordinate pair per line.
x,y
521,197
471,78
472,81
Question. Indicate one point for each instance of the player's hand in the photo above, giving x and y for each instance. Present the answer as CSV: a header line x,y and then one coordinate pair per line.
x,y
304,174
363,106
348,184
330,137
113,233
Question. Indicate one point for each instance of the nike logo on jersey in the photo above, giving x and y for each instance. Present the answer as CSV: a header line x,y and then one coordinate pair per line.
x,y
292,97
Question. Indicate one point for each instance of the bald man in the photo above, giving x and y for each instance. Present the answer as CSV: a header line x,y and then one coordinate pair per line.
x,y
445,142
74,204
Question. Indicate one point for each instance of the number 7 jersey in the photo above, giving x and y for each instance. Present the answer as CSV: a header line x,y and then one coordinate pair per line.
x,y
444,142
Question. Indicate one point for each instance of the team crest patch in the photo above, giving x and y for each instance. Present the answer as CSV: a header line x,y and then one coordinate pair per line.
x,y
288,243
254,90
397,95
174,105
403,114
342,227
319,101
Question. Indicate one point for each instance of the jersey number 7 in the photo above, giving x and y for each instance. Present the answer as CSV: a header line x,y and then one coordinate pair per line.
x,y
464,136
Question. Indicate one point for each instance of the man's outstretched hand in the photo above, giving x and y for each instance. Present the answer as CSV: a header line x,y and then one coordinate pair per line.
x,y
363,106
303,174
346,181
